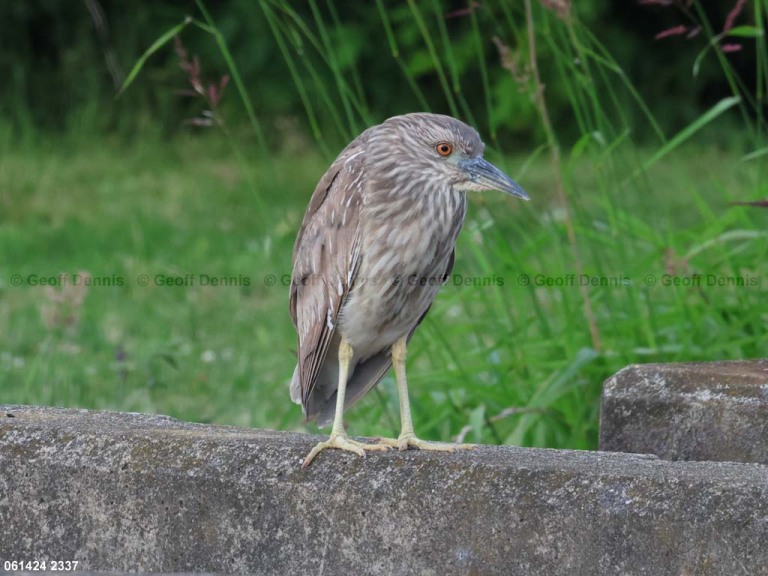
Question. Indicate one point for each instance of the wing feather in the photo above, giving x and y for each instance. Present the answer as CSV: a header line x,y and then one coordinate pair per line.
x,y
325,261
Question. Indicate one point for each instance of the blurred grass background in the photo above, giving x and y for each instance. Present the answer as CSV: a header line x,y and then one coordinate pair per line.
x,y
632,149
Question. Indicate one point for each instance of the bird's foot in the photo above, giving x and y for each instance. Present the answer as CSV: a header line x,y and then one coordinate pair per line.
x,y
342,442
410,441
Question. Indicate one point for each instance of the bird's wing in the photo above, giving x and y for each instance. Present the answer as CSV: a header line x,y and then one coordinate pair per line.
x,y
325,260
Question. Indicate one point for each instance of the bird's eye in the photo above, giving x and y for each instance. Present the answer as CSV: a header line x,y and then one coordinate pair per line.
x,y
444,149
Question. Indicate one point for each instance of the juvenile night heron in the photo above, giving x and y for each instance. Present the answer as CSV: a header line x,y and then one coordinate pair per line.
x,y
376,244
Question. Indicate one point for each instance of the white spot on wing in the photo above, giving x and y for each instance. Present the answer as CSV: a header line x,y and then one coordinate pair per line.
x,y
355,155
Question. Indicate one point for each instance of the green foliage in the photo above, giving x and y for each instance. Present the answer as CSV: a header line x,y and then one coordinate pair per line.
x,y
627,252
345,65
510,361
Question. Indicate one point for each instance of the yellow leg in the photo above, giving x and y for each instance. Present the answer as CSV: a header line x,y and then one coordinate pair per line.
x,y
407,438
339,438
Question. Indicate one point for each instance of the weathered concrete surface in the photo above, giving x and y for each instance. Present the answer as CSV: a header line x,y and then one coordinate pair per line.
x,y
695,411
142,493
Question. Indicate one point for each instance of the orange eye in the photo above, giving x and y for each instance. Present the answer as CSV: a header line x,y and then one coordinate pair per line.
x,y
444,149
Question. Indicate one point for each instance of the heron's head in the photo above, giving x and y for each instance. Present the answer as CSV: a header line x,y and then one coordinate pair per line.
x,y
438,149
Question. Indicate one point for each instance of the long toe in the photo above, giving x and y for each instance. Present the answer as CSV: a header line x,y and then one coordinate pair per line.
x,y
342,442
411,441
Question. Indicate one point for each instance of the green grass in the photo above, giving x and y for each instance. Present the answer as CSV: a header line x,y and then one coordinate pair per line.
x,y
514,350
511,362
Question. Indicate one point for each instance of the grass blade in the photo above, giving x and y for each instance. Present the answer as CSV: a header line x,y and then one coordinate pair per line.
x,y
235,73
156,45
676,141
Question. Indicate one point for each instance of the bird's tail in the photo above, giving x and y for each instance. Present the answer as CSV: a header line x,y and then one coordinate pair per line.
x,y
296,386
321,404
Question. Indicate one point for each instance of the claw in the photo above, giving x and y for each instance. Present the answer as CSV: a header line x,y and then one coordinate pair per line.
x,y
342,442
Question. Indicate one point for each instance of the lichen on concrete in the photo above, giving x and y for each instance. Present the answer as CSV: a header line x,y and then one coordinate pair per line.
x,y
129,492
690,411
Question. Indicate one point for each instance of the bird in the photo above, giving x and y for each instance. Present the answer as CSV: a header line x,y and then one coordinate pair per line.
x,y
375,246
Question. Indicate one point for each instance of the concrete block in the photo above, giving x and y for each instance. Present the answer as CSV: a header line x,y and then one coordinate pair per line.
x,y
128,492
695,411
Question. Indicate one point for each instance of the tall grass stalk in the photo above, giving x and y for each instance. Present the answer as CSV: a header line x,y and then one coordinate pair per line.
x,y
554,147
516,346
209,26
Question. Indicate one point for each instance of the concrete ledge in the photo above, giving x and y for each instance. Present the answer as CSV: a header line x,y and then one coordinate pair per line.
x,y
147,493
695,411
